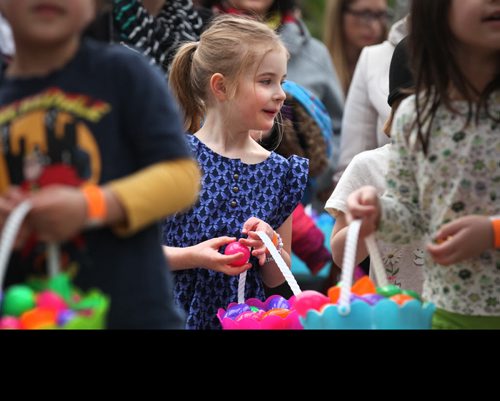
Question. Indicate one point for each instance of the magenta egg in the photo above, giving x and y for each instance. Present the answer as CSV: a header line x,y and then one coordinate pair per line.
x,y
236,247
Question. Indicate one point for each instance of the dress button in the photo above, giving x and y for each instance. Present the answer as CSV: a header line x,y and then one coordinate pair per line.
x,y
236,176
236,190
233,204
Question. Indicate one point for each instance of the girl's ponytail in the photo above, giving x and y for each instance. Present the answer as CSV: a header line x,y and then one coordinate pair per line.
x,y
181,81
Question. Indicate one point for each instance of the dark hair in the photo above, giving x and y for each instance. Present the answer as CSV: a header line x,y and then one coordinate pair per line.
x,y
400,76
283,6
296,132
435,67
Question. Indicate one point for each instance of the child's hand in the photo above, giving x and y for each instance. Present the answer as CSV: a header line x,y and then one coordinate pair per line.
x,y
364,204
208,256
253,241
58,214
8,202
462,239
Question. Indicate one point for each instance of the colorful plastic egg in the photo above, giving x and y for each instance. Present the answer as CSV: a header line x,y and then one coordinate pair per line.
x,y
50,300
39,318
236,247
389,290
248,315
18,299
10,322
64,316
234,311
412,294
283,313
372,299
400,299
277,301
308,300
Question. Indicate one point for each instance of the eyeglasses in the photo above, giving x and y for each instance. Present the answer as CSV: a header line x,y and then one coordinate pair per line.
x,y
368,16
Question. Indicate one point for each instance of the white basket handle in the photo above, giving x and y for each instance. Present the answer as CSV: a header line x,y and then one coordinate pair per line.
x,y
287,273
376,261
349,263
9,234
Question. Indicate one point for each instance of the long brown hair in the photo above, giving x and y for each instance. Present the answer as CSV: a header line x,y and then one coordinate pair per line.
x,y
229,46
334,39
436,69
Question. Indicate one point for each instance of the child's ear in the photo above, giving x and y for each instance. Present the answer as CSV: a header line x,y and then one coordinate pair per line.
x,y
218,86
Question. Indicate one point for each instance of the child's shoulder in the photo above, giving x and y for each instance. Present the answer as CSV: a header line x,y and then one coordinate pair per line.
x,y
373,156
293,164
193,141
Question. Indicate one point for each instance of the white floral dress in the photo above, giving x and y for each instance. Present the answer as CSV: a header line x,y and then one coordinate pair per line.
x,y
460,176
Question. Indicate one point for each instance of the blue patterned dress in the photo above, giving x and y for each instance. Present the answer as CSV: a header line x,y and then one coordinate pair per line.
x,y
231,193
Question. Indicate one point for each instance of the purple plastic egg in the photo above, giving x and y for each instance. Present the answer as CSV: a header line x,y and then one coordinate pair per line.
x,y
234,311
64,316
372,299
355,297
277,302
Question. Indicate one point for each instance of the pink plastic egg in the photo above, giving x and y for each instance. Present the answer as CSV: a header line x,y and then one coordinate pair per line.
x,y
10,322
236,247
309,299
50,300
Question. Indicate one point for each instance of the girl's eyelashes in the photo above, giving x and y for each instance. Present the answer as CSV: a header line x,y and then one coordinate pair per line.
x,y
269,81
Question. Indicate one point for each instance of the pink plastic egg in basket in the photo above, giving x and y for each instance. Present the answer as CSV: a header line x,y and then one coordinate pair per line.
x,y
263,318
275,313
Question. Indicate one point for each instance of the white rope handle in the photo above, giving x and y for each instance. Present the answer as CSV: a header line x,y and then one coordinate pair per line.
x,y
287,273
241,287
376,261
348,264
9,234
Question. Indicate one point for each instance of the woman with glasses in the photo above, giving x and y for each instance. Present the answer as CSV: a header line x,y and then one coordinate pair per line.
x,y
351,25
365,108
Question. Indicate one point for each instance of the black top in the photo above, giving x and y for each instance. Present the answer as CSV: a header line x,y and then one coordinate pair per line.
x,y
103,116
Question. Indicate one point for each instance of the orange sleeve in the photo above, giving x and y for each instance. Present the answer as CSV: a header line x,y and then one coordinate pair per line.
x,y
156,192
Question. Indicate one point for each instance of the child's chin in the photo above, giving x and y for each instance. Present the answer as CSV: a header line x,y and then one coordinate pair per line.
x,y
266,127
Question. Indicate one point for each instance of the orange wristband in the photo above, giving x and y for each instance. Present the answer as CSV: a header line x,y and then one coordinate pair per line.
x,y
495,222
277,242
275,239
96,204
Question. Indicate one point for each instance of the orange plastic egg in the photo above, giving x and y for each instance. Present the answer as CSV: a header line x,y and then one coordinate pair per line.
x,y
38,318
278,312
334,294
363,286
400,299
